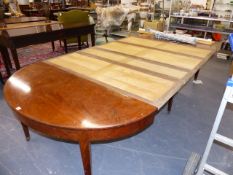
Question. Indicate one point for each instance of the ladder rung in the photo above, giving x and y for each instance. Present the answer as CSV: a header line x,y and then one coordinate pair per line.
x,y
213,170
224,140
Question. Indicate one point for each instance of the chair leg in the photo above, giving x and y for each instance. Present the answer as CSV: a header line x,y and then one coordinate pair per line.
x,y
79,43
53,46
92,39
65,46
87,44
60,43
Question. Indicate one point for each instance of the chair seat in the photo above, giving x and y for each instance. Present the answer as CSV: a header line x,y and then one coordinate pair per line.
x,y
70,18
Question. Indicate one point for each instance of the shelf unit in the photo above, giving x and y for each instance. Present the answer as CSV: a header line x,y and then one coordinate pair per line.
x,y
209,20
203,29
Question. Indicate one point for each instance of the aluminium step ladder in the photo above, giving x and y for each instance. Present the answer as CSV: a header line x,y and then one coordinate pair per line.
x,y
196,167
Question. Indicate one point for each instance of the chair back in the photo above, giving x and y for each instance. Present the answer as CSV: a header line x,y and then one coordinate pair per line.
x,y
73,17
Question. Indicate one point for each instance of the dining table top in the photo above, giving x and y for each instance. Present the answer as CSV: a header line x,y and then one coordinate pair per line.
x,y
107,86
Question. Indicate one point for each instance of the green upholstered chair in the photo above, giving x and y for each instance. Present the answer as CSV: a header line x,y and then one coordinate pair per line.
x,y
70,19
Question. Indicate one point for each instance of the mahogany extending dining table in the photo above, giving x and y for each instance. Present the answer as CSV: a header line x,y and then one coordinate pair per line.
x,y
101,93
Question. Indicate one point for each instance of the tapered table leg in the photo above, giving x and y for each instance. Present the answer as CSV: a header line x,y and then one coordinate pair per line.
x,y
15,58
86,156
6,56
26,131
6,60
169,104
196,75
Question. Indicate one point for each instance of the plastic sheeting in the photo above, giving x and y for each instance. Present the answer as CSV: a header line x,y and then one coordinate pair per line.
x,y
174,37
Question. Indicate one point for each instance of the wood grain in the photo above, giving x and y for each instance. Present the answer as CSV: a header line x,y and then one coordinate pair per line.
x,y
171,47
140,71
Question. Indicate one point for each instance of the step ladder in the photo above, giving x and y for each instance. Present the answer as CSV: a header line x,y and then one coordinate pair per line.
x,y
202,165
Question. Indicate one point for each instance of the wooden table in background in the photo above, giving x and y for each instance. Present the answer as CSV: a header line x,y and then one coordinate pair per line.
x,y
24,34
14,20
102,93
31,12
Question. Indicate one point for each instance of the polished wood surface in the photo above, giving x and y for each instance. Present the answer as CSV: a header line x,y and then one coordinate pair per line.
x,y
28,25
72,108
14,20
90,95
75,103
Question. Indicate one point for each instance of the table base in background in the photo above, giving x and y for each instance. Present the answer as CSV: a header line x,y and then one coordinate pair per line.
x,y
14,42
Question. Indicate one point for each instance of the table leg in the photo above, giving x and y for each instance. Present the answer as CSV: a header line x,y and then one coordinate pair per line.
x,y
15,58
86,156
5,55
6,60
92,39
169,104
26,131
196,75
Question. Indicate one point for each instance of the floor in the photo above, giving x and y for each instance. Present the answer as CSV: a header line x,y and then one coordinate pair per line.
x,y
162,149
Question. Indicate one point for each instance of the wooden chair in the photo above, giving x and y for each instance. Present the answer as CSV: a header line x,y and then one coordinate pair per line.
x,y
70,19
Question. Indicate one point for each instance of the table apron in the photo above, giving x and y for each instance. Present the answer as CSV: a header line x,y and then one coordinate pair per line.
x,y
92,135
25,40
